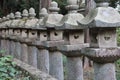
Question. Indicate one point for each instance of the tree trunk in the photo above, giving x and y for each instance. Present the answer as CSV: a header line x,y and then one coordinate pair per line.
x,y
44,4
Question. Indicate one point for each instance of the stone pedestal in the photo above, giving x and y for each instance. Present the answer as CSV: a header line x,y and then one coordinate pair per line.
x,y
43,60
3,40
17,50
32,55
56,64
24,52
12,47
74,66
104,71
7,44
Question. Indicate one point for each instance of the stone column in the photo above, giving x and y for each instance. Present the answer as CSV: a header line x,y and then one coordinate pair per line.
x,y
24,52
17,50
7,42
12,44
104,71
74,66
2,40
43,59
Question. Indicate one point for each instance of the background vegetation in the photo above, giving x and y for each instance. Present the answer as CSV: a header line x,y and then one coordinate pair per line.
x,y
7,6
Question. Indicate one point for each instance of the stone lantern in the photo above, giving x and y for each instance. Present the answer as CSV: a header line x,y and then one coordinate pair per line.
x,y
103,50
54,39
10,34
7,23
24,35
43,54
17,34
74,41
32,36
5,30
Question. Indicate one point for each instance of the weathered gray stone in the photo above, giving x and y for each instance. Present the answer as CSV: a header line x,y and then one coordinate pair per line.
x,y
24,52
25,15
32,21
103,37
12,48
53,17
74,37
102,22
104,71
3,24
101,17
15,22
33,72
102,55
43,60
74,65
32,56
56,65
32,34
17,50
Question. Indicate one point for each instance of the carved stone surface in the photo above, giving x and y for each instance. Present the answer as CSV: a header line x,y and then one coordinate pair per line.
x,y
43,60
74,65
24,52
56,65
69,21
102,17
15,22
24,33
32,56
103,37
53,17
72,50
24,19
32,34
102,55
3,25
32,21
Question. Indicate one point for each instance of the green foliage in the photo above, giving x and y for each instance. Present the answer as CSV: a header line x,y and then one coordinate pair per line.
x,y
7,68
118,70
118,36
118,62
9,71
